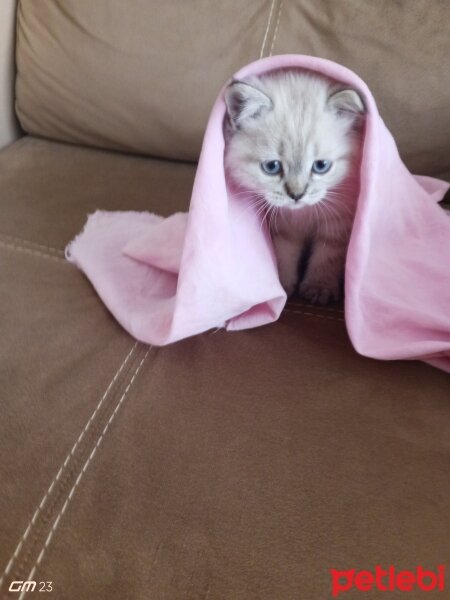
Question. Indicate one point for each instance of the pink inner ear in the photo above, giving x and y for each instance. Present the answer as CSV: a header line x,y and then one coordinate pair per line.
x,y
347,101
245,101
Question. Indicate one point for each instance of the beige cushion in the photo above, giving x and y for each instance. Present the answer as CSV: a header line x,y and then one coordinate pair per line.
x,y
142,76
138,76
228,466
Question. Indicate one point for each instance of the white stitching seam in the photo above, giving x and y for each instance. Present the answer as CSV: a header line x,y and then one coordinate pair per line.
x,y
276,28
81,473
267,29
11,246
309,314
63,467
26,243
337,311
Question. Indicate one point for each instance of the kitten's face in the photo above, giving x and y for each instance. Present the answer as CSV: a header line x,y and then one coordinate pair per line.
x,y
290,138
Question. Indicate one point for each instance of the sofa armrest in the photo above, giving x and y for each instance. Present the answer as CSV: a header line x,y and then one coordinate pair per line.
x,y
9,127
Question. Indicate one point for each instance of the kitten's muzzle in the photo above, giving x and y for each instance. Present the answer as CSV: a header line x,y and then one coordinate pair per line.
x,y
295,195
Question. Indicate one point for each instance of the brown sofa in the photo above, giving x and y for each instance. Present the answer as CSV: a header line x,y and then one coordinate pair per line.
x,y
230,465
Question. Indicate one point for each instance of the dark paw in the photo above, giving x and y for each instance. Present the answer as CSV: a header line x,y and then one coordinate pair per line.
x,y
319,293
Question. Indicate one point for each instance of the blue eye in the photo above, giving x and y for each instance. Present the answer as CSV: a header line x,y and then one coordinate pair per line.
x,y
272,167
321,166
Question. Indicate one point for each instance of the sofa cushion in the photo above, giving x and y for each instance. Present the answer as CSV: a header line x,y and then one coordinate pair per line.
x,y
47,188
143,77
245,466
229,465
140,78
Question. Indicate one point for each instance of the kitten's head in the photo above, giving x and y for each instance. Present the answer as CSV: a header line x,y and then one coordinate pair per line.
x,y
290,137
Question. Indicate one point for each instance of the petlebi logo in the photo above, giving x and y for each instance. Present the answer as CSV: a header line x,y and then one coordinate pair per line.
x,y
388,580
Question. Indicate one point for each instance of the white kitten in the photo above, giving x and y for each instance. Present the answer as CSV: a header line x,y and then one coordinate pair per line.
x,y
293,141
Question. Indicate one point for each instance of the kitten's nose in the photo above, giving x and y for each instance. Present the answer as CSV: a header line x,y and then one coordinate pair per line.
x,y
296,196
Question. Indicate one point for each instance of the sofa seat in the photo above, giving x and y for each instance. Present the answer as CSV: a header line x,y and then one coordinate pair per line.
x,y
230,465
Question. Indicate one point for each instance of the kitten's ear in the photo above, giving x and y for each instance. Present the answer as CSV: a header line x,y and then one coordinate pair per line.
x,y
244,102
347,101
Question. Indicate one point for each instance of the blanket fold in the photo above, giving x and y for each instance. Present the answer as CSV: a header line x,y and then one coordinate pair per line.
x,y
167,279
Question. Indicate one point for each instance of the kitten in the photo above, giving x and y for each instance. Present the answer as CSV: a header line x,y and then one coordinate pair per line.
x,y
293,141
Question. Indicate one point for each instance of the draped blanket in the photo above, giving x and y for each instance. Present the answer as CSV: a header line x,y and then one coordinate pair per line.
x,y
165,279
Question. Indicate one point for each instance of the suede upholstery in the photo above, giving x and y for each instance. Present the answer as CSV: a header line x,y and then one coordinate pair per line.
x,y
230,465
142,80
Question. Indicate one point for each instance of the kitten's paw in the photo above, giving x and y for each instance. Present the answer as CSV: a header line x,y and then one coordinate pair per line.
x,y
288,275
317,292
289,285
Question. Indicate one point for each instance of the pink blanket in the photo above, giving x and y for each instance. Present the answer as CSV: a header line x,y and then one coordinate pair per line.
x,y
166,279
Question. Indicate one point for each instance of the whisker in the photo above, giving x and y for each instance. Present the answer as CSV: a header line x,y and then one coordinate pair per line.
x,y
276,212
254,202
338,207
265,216
271,218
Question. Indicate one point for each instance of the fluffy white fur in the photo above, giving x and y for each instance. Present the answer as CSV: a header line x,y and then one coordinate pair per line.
x,y
298,118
